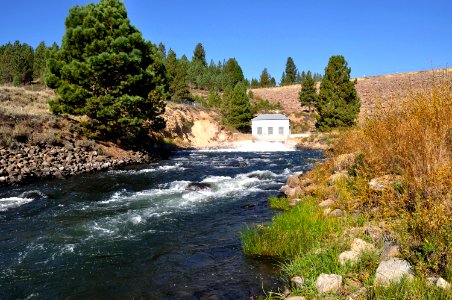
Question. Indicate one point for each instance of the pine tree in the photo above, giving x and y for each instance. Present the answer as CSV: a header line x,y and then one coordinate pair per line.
x,y
308,94
232,73
214,99
199,54
239,113
162,49
338,104
107,71
39,66
283,79
290,73
176,75
265,79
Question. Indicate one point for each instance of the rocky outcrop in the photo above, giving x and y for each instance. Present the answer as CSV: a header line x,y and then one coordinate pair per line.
x,y
36,162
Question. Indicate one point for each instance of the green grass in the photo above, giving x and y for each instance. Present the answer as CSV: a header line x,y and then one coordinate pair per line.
x,y
296,231
413,290
279,203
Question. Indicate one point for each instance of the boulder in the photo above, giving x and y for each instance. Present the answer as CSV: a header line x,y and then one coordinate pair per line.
x,y
328,283
392,271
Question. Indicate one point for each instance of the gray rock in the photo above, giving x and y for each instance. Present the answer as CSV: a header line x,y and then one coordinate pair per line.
x,y
359,246
328,283
390,250
392,271
439,282
336,213
298,282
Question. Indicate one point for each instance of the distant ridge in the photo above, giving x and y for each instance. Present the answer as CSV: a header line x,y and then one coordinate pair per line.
x,y
370,89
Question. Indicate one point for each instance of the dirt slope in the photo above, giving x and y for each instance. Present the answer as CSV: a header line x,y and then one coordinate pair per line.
x,y
371,90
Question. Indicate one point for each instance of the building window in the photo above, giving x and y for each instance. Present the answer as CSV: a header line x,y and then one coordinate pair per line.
x,y
281,130
270,130
259,130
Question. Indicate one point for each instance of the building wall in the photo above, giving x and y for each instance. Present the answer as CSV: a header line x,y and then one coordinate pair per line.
x,y
270,129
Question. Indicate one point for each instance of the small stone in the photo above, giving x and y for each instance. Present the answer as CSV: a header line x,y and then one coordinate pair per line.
x,y
328,283
326,203
295,298
336,213
390,250
440,282
392,271
348,257
298,282
359,246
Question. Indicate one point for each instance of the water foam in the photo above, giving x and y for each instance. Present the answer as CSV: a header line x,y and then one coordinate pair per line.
x,y
255,146
13,202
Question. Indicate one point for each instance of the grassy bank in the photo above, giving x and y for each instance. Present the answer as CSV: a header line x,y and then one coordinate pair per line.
x,y
389,180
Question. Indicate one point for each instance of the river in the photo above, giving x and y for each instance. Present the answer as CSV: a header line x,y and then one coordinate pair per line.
x,y
142,232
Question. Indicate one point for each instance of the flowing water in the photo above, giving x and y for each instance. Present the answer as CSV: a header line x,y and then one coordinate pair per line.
x,y
144,232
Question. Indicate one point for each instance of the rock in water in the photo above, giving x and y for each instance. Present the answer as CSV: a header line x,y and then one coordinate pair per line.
x,y
198,186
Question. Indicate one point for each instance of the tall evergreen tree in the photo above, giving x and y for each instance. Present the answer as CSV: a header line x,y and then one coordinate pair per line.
x,y
162,49
23,60
290,73
232,73
338,104
265,79
239,113
107,71
308,95
176,75
283,79
199,54
39,65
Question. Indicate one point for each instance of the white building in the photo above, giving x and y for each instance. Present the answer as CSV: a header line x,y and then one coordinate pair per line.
x,y
270,127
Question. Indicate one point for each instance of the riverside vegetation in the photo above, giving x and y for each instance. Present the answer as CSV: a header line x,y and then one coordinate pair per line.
x,y
386,181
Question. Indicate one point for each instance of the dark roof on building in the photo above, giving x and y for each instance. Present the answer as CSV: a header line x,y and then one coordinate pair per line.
x,y
271,117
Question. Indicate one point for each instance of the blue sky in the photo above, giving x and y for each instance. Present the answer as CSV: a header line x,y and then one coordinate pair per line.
x,y
375,37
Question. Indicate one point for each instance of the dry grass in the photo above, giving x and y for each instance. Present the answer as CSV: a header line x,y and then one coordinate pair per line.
x,y
413,141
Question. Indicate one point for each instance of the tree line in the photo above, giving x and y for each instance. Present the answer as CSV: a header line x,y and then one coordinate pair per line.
x,y
107,71
21,64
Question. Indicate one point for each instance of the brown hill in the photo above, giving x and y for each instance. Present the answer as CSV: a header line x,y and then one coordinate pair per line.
x,y
371,90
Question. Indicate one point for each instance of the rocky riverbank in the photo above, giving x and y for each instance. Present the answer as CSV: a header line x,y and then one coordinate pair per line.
x,y
25,163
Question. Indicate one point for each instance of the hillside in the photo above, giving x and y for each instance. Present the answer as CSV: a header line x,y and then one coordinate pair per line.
x,y
371,90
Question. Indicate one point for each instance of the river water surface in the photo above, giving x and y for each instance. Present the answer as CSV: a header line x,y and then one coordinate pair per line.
x,y
141,232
